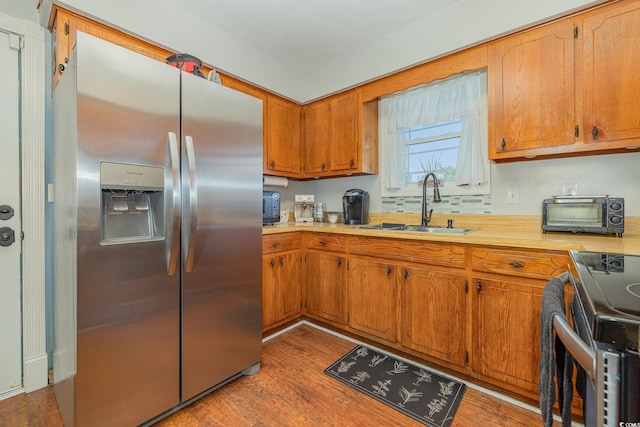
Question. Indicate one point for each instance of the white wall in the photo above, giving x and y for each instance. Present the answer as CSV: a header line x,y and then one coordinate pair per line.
x,y
617,175
465,23
21,9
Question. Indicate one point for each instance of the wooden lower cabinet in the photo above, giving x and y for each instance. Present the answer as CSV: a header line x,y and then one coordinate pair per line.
x,y
280,287
506,325
373,297
326,286
433,312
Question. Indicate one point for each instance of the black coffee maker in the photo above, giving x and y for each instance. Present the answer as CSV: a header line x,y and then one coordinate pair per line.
x,y
355,205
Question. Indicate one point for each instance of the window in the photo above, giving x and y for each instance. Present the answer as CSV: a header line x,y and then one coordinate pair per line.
x,y
433,148
440,128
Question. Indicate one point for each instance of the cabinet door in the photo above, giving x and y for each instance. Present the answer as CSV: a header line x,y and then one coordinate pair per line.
x,y
326,285
433,312
373,297
611,60
531,92
280,287
316,138
343,129
282,146
506,331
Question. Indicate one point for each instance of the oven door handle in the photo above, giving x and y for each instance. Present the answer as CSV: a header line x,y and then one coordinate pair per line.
x,y
583,354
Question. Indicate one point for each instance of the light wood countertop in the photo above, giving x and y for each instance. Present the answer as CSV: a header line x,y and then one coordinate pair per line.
x,y
507,231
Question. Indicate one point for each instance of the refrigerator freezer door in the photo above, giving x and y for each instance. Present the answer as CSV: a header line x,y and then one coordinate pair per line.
x,y
222,183
127,304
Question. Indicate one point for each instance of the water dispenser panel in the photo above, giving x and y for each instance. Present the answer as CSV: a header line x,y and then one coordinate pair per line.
x,y
132,203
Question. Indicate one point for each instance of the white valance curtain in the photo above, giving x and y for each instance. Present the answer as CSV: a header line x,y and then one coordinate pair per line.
x,y
461,97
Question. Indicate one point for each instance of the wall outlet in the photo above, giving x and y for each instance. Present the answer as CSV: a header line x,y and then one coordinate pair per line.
x,y
513,196
569,189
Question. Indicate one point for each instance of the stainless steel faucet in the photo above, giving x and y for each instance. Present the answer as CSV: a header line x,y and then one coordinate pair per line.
x,y
426,215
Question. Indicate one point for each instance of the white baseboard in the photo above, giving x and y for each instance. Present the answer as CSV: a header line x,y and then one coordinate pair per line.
x,y
36,373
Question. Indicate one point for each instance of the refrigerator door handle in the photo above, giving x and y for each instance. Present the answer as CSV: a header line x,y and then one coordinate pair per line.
x,y
192,217
174,241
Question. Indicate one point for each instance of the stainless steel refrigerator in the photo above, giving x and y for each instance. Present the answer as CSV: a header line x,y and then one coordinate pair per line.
x,y
157,236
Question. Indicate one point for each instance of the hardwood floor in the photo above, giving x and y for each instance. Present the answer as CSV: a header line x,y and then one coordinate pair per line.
x,y
291,389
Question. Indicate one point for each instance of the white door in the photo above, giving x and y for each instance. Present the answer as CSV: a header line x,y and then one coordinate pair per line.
x,y
10,224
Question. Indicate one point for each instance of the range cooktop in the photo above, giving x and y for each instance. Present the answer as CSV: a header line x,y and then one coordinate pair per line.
x,y
609,288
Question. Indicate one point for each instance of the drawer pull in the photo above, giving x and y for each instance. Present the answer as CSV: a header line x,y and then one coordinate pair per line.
x,y
322,242
276,244
516,264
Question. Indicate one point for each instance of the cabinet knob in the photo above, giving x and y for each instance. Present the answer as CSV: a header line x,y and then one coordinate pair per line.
x,y
339,262
594,132
273,262
516,264
323,166
276,244
405,274
273,164
478,286
351,163
322,242
281,261
388,270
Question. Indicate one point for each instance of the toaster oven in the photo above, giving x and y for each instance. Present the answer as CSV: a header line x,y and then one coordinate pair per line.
x,y
584,214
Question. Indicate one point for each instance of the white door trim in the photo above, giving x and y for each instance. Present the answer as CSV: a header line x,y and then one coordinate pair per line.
x,y
32,135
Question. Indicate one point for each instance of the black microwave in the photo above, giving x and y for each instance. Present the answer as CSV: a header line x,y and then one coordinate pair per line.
x,y
270,207
584,214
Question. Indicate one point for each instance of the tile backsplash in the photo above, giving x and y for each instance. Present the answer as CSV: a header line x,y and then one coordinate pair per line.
x,y
480,204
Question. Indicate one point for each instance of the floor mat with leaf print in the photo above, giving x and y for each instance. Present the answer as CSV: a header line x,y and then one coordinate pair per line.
x,y
417,392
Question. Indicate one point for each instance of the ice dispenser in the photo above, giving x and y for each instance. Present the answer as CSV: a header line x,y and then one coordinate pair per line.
x,y
132,203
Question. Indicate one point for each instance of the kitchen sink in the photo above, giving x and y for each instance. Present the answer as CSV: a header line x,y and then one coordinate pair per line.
x,y
437,229
417,228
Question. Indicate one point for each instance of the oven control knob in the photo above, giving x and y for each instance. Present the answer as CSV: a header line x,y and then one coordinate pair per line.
x,y
616,206
615,219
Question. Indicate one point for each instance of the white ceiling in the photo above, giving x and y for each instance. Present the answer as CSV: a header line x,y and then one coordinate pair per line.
x,y
304,34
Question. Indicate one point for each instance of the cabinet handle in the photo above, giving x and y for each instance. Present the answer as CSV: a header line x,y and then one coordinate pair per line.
x,y
322,242
273,262
478,286
503,143
406,274
281,261
388,270
276,244
351,163
516,264
339,262
323,166
273,164
594,132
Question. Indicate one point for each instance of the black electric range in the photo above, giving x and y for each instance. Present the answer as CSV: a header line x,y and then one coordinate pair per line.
x,y
609,289
606,314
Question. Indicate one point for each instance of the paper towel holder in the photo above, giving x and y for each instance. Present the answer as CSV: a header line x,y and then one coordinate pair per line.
x,y
274,181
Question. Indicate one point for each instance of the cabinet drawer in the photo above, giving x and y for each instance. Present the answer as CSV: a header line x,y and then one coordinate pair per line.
x,y
409,250
537,265
330,242
280,242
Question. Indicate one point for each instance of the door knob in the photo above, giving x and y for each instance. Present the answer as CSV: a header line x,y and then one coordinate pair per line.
x,y
7,236
6,212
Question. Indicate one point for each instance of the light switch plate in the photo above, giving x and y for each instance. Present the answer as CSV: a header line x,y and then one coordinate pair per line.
x,y
513,196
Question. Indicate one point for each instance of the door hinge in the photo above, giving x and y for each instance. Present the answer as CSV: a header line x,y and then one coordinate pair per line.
x,y
466,357
575,32
577,131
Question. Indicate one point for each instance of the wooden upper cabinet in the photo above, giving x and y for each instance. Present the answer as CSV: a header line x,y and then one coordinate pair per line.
x,y
282,147
340,136
64,25
317,138
610,62
531,92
